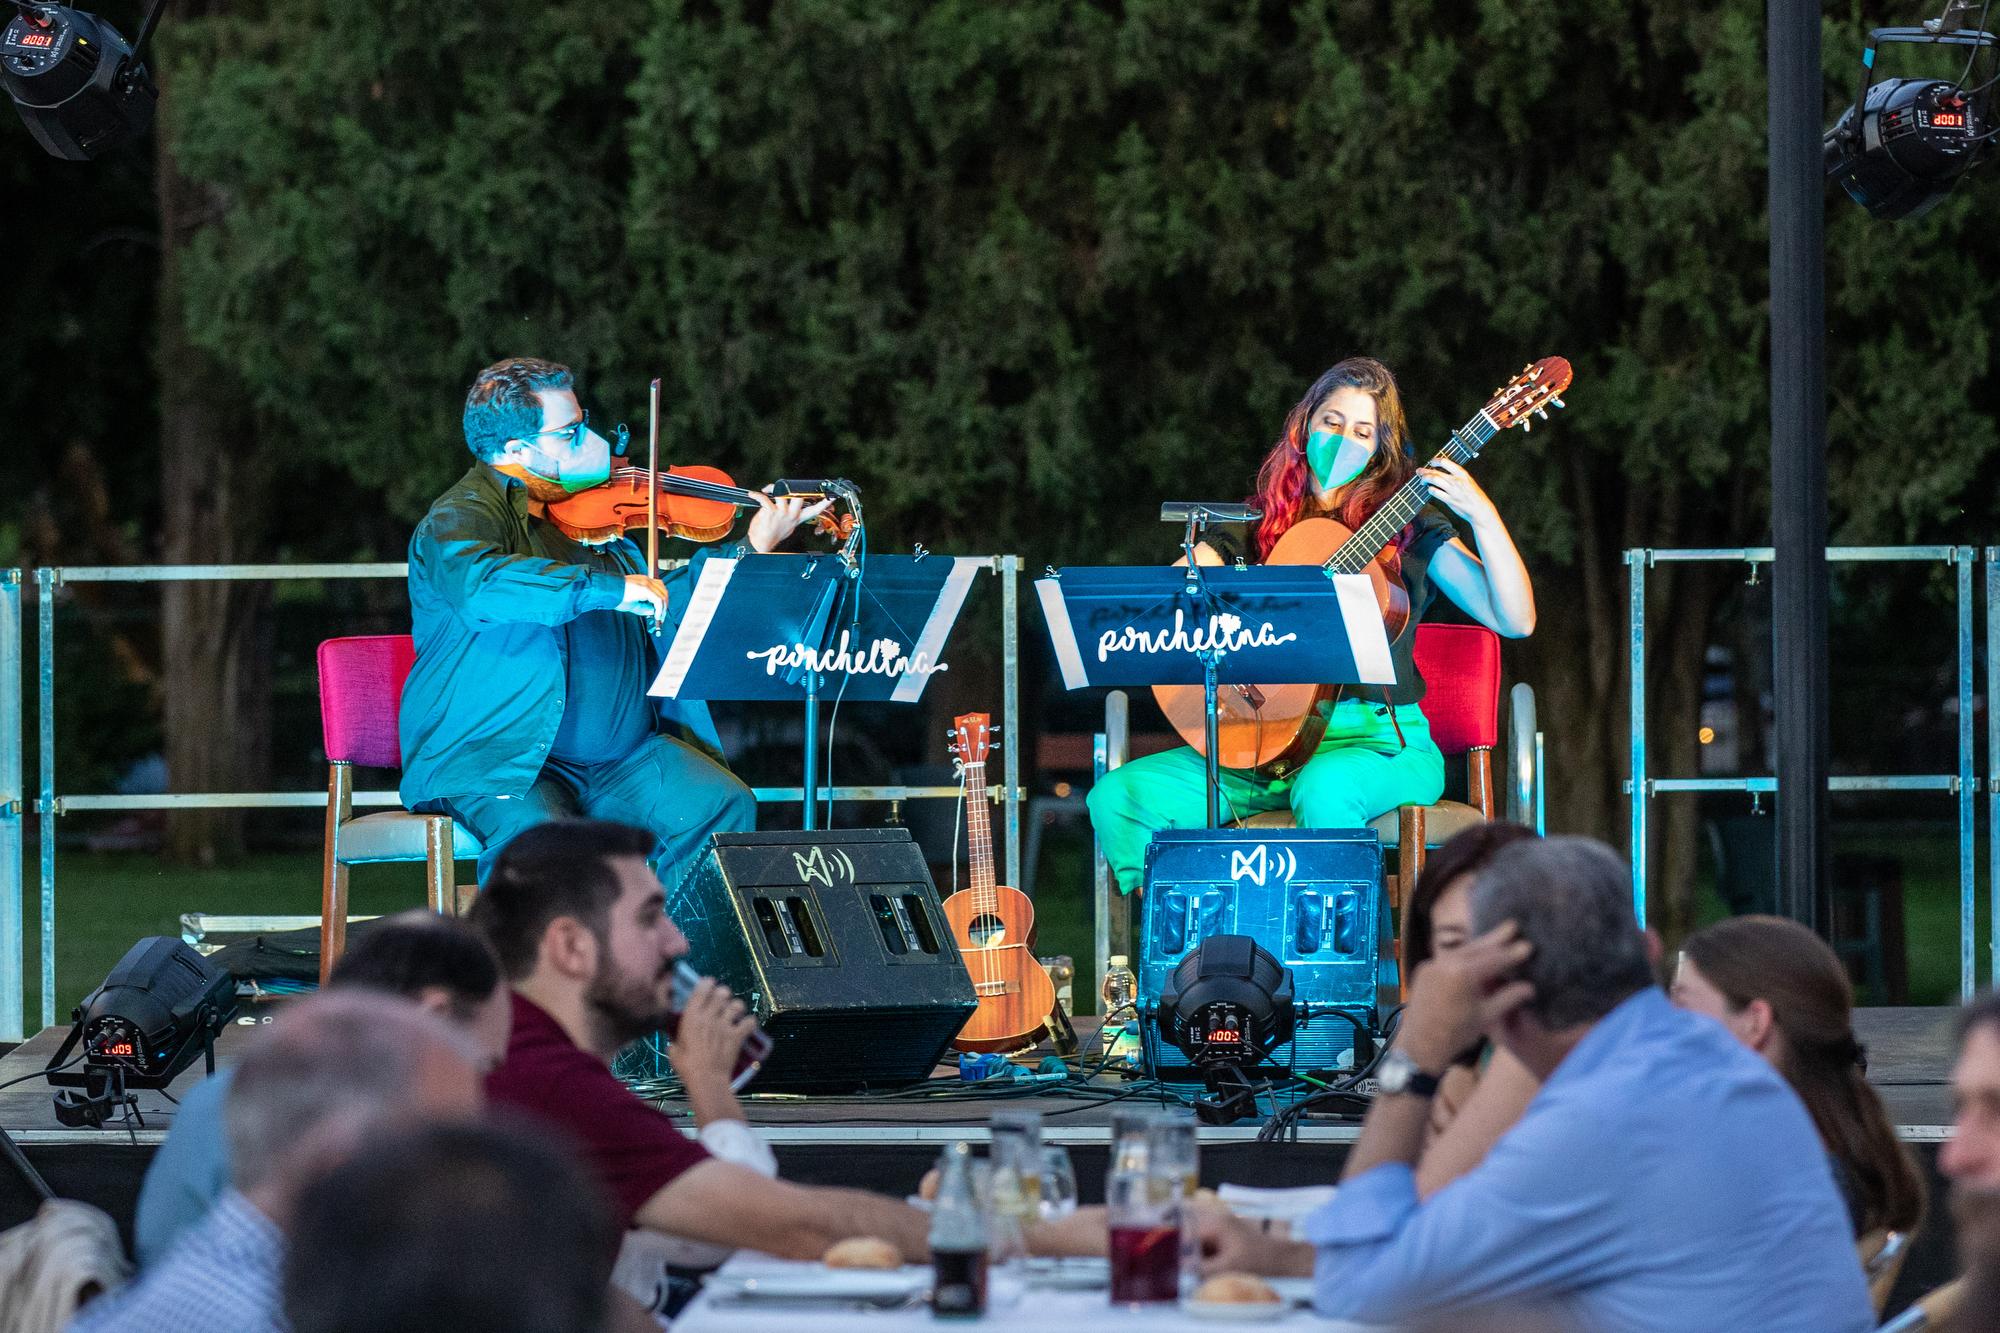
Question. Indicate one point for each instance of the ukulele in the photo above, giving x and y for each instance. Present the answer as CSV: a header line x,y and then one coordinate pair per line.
x,y
993,924
1274,729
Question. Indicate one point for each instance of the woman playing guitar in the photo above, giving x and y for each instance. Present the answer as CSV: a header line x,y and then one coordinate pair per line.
x,y
1343,451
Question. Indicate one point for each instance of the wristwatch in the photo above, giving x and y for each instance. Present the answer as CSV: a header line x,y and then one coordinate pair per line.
x,y
1399,1076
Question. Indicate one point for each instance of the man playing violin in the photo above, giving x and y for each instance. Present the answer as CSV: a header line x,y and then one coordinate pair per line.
x,y
528,698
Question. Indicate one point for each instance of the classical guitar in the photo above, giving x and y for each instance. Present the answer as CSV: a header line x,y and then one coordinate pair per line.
x,y
1275,728
993,924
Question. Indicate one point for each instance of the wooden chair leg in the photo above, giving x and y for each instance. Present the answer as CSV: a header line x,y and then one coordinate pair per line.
x,y
439,875
333,873
1410,834
1479,779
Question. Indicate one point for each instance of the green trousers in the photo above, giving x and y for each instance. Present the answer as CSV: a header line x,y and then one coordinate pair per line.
x,y
1360,770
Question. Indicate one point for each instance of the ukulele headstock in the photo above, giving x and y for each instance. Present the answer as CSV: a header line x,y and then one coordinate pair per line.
x,y
971,738
1530,394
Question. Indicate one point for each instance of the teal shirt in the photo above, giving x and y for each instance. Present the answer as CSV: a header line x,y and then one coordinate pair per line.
x,y
493,591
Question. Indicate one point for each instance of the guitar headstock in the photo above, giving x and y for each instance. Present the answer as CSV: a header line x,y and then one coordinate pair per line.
x,y
1530,394
971,737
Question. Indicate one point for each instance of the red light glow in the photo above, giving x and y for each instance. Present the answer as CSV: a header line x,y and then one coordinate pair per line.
x,y
1225,1034
1948,120
117,1048
36,39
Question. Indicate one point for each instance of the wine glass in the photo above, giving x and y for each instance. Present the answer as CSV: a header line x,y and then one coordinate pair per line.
x,y
1058,1183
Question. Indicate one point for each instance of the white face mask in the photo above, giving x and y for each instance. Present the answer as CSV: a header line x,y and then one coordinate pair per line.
x,y
1336,459
584,465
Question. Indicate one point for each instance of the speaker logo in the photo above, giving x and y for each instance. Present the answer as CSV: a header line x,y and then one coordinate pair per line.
x,y
1257,866
817,865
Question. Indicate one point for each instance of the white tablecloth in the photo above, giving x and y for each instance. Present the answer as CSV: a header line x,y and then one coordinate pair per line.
x,y
1042,1311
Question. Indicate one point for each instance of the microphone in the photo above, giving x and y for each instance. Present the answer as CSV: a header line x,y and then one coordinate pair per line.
x,y
1180,511
814,486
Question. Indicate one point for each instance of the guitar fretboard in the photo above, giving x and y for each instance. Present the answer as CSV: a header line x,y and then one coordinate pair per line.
x,y
1383,525
979,838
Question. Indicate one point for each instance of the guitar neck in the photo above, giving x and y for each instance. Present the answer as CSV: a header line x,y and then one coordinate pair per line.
x,y
1383,525
978,832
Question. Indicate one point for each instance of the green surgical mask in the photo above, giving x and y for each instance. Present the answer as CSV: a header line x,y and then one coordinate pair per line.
x,y
587,464
1335,460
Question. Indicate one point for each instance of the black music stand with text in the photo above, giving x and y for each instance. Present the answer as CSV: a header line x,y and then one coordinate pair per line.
x,y
794,627
1214,626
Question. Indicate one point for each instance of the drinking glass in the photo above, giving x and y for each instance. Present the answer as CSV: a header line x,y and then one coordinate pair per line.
x,y
1017,1142
1175,1152
1058,1183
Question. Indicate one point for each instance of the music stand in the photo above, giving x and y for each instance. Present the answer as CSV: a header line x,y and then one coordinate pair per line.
x,y
783,626
1269,625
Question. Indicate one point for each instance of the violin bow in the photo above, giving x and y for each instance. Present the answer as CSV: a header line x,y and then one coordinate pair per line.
x,y
653,492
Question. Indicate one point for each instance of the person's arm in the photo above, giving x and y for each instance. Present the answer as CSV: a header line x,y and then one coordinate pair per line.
x,y
703,1054
726,1204
1491,586
1493,1106
459,553
1453,998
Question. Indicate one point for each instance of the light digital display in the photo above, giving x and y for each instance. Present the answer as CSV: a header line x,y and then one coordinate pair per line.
x,y
117,1048
1948,120
35,39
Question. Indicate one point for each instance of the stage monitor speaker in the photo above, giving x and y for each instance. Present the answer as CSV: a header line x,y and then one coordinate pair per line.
x,y
837,940
1314,898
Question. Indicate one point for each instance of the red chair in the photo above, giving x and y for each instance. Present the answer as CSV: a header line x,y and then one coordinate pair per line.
x,y
360,689
1460,665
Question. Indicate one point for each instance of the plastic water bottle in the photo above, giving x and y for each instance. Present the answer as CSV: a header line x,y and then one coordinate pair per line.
x,y
958,1241
1121,987
1121,1029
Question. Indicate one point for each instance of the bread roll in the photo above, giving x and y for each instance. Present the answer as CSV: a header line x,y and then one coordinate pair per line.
x,y
1236,1289
863,1252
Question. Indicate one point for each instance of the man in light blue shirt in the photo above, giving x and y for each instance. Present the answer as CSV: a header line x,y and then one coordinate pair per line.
x,y
333,1070
1665,1178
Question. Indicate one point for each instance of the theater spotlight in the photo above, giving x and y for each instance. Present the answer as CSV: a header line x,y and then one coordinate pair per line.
x,y
80,89
1227,1006
157,1010
1905,142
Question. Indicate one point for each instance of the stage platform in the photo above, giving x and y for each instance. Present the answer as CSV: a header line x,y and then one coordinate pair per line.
x,y
887,1145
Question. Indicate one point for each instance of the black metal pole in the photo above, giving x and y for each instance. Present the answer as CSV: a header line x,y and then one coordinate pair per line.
x,y
1798,459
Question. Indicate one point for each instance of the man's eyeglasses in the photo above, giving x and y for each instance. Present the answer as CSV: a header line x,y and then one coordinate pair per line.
x,y
572,433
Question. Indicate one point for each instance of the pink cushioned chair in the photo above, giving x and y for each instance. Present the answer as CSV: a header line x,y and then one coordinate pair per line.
x,y
360,689
1460,665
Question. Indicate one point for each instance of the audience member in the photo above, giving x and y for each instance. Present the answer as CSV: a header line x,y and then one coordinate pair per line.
x,y
1486,1089
579,923
440,963
451,1227
331,1071
1781,990
1663,1178
1970,1160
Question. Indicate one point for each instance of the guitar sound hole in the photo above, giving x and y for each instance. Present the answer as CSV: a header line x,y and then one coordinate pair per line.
x,y
986,931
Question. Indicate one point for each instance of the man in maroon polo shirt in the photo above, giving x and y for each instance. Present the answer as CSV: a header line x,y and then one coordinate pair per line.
x,y
579,922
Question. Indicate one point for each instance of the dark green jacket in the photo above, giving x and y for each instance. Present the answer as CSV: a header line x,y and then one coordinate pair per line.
x,y
488,585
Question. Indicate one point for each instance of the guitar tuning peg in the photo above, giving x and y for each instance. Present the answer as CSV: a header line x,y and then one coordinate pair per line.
x,y
1558,402
1542,412
1527,425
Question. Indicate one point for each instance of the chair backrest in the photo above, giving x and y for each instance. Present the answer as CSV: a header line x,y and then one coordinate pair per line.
x,y
360,690
1460,665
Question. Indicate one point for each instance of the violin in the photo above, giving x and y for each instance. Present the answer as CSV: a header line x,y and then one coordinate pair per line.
x,y
695,502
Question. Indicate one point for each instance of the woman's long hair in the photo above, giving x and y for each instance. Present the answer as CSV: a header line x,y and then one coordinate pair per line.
x,y
1795,972
1460,855
1284,482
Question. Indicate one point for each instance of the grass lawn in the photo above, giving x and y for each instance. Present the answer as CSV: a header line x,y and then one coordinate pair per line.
x,y
106,901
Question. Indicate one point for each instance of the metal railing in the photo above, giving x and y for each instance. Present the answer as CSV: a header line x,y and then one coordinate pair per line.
x,y
1962,783
50,803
